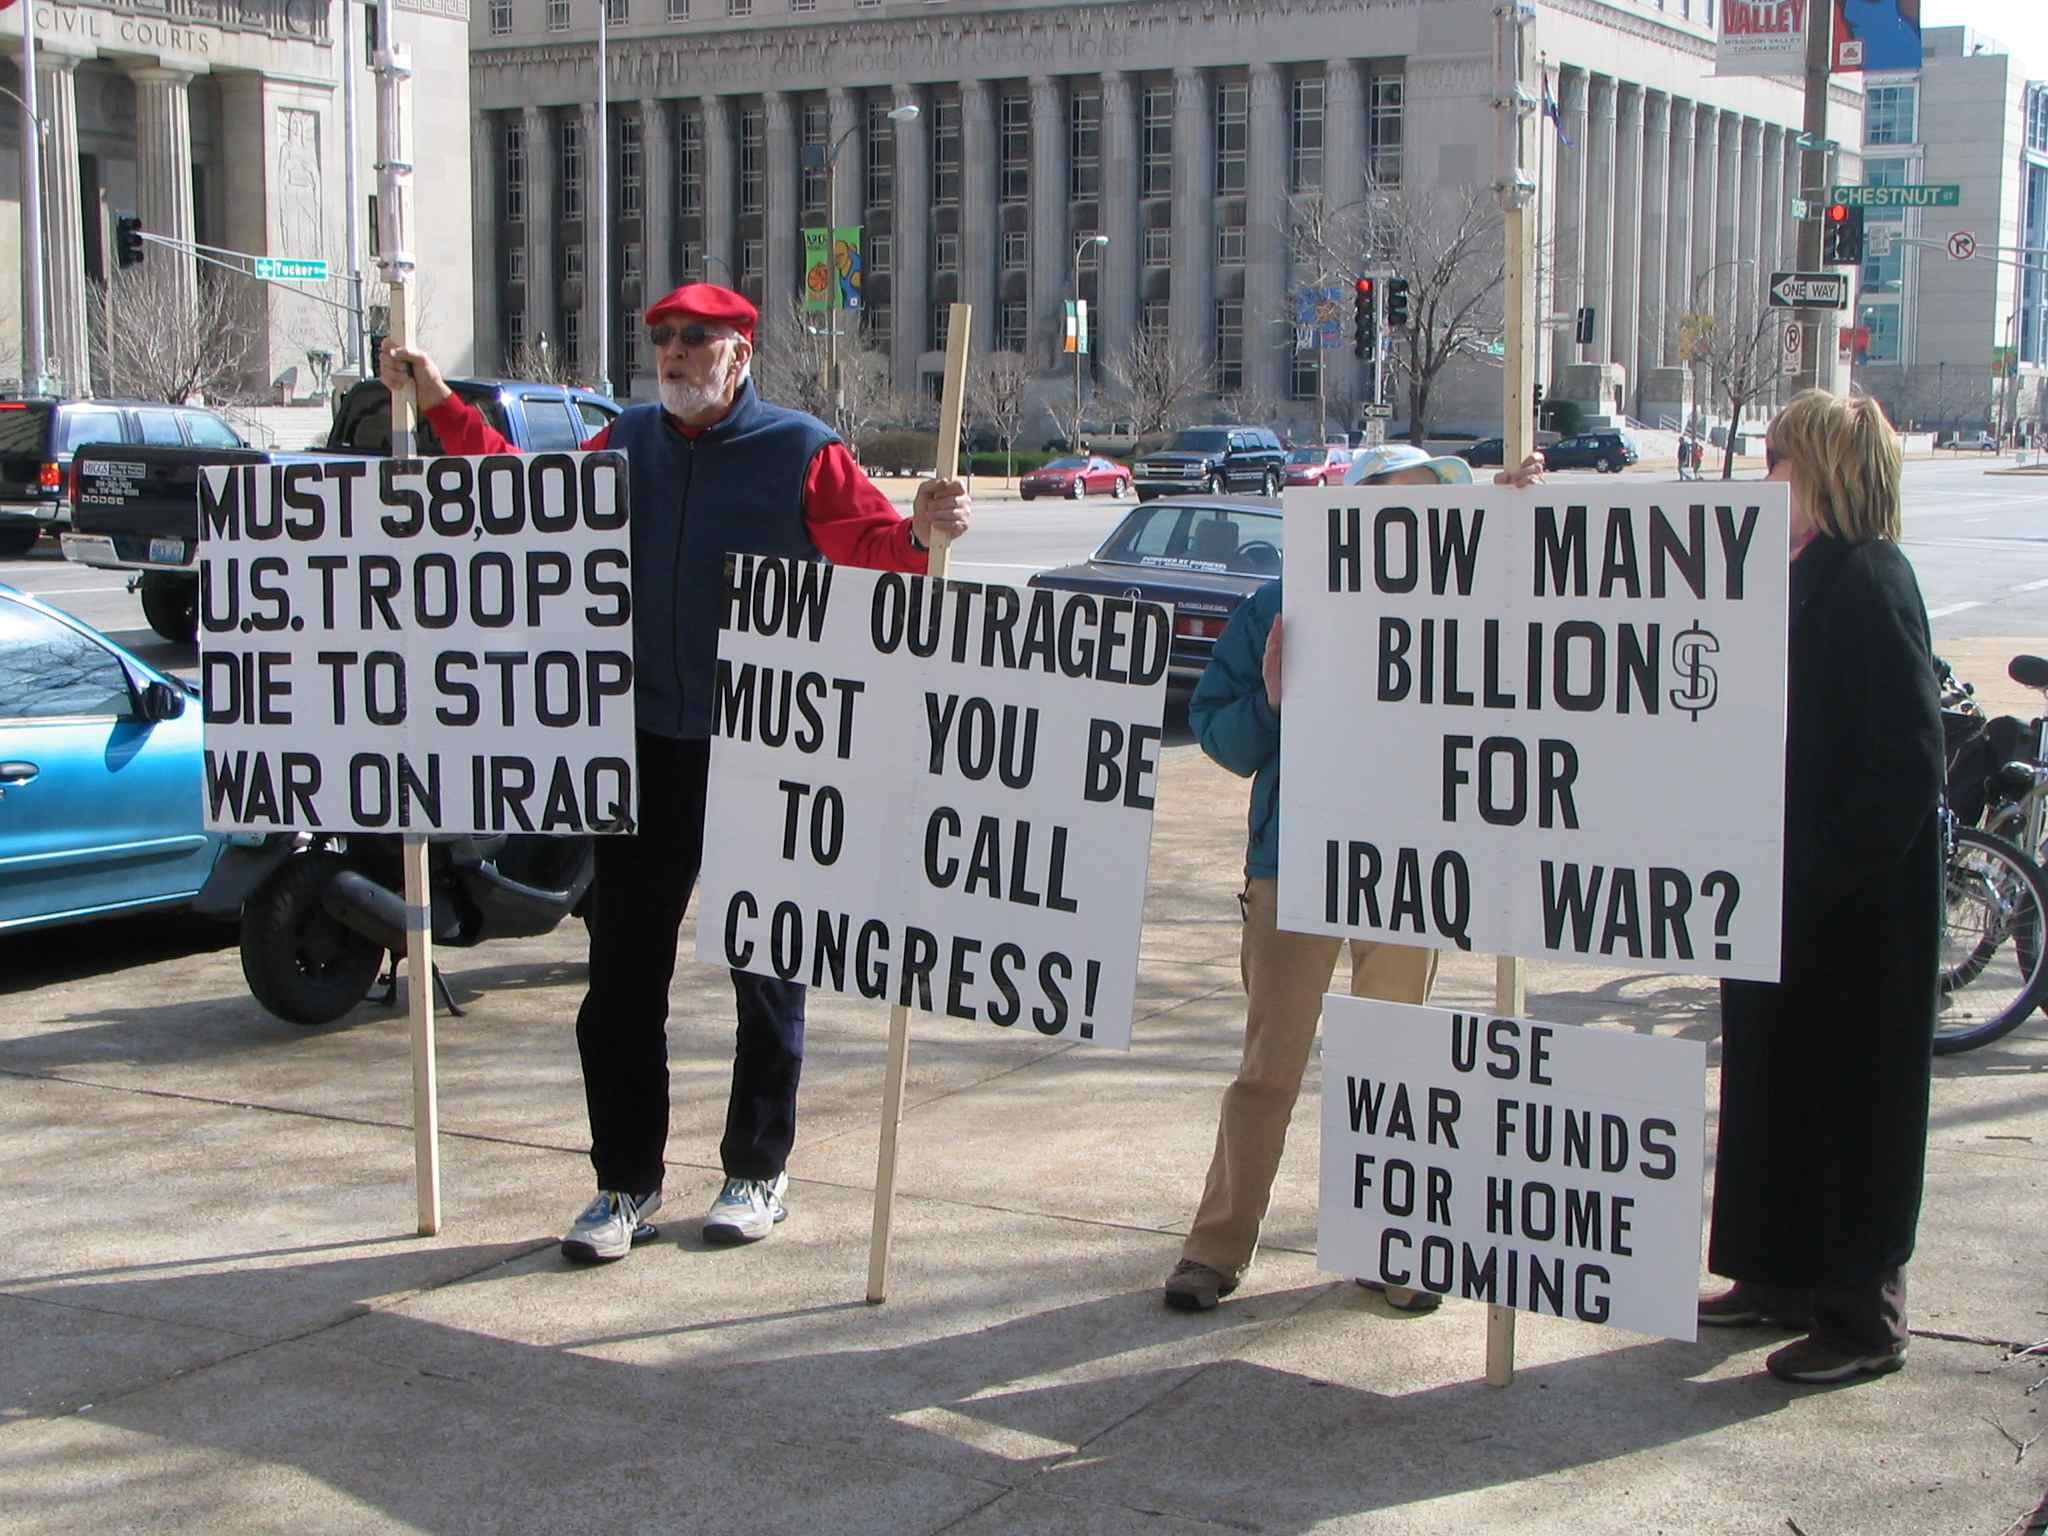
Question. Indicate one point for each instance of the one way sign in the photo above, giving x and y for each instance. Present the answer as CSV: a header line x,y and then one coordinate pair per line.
x,y
1809,290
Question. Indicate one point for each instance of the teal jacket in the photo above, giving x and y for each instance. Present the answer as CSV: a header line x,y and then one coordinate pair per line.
x,y
1239,729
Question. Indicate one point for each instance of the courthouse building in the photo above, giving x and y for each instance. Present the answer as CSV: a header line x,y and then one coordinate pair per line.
x,y
1183,130
220,121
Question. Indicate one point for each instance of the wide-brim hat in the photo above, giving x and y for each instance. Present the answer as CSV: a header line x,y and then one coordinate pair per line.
x,y
1392,458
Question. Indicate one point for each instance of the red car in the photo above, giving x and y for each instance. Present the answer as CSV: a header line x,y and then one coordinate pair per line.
x,y
1075,477
1318,466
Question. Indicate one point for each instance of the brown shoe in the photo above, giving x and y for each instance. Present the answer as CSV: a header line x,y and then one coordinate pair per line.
x,y
1402,1299
1754,1306
1815,1361
1195,1287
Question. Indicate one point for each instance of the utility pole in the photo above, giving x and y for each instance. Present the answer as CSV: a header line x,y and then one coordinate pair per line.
x,y
600,189
1815,164
832,286
34,332
358,359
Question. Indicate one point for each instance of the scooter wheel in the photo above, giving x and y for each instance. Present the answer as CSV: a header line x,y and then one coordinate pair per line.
x,y
300,963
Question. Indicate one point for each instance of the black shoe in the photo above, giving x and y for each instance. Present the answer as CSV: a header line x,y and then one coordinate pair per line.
x,y
1815,1362
1195,1287
1750,1306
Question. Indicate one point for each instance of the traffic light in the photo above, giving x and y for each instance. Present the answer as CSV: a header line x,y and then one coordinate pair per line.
x,y
1397,302
1841,242
1536,399
128,240
1585,326
1364,319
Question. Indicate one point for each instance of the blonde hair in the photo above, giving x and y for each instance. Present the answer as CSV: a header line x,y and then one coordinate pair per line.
x,y
1847,460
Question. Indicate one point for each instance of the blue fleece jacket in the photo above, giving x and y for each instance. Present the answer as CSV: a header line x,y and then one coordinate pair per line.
x,y
1239,729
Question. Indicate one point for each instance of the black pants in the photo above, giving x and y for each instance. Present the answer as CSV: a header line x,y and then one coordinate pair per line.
x,y
1870,1316
642,886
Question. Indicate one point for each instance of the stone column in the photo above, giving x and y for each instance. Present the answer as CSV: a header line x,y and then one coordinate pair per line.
x,y
596,302
1116,290
1600,146
1568,261
846,192
1750,279
1052,257
1657,314
1706,176
1628,235
782,223
487,287
719,202
543,219
909,289
1343,135
1726,235
164,169
978,218
1194,211
70,356
1678,230
657,200
1775,198
1265,216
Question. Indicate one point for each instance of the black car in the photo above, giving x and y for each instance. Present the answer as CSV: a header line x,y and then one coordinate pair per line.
x,y
1202,555
1486,452
1608,451
39,435
1215,460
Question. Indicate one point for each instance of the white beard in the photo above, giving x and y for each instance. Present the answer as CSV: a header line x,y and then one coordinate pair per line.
x,y
685,401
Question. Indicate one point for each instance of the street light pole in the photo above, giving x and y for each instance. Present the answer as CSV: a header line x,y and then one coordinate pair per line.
x,y
600,187
1102,240
902,112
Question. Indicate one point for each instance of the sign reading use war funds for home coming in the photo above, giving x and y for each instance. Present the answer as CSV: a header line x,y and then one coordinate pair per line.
x,y
1539,722
418,645
1516,1163
935,793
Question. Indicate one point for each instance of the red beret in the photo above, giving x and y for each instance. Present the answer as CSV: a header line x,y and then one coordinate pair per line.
x,y
709,303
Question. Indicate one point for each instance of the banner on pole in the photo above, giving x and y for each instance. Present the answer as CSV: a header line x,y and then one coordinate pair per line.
x,y
832,268
1763,37
1541,722
408,645
1075,337
1874,35
1554,1170
934,792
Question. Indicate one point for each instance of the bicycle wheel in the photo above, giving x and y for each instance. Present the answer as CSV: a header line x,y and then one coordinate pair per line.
x,y
1994,915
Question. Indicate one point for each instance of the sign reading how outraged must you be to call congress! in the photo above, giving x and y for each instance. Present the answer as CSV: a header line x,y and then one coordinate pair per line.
x,y
935,793
418,645
1511,1162
1538,722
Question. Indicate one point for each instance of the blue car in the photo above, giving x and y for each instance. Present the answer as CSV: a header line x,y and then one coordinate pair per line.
x,y
100,775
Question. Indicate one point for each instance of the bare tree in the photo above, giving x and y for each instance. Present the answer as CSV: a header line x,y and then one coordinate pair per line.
x,y
1737,346
1157,376
1000,386
1250,404
790,368
163,344
314,326
542,365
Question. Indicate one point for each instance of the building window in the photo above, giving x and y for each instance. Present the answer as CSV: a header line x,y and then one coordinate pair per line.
x,y
630,271
1013,333
515,328
1233,116
753,258
946,153
1885,274
1229,347
1301,378
501,17
1158,247
1882,322
678,10
572,168
690,162
1084,146
1157,128
2037,120
1305,166
753,181
1016,137
867,5
572,263
375,226
1384,130
558,15
629,166
1888,114
635,348
817,129
1016,250
515,173
1230,245
877,327
945,253
880,250
693,259
618,12
370,32
803,5
572,339
942,314
881,148
515,264
1155,316
1091,253
739,7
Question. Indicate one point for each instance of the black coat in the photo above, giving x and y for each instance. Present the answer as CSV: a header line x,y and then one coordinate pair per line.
x,y
1824,1074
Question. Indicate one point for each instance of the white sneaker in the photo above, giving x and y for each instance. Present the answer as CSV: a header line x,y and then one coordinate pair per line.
x,y
746,1210
609,1227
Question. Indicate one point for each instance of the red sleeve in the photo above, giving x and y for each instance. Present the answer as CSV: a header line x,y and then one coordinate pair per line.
x,y
462,430
850,521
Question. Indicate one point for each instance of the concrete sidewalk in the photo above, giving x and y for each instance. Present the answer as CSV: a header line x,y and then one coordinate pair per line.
x,y
213,1314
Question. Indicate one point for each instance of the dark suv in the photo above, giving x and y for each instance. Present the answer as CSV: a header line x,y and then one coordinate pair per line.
x,y
1608,451
1214,460
39,435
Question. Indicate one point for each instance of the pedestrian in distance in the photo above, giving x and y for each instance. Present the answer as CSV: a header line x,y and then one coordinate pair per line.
x,y
1235,713
712,469
1825,1072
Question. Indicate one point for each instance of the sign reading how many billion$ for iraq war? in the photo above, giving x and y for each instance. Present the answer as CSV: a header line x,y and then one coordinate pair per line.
x,y
1545,722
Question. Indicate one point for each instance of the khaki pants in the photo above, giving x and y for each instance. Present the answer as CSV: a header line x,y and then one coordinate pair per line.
x,y
1285,976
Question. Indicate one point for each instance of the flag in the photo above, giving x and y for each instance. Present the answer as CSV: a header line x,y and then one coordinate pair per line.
x,y
1550,110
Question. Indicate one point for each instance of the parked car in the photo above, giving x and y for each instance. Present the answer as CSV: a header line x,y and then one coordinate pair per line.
x,y
1215,460
1609,451
136,508
1982,441
100,775
1318,466
40,436
1075,477
1487,451
1203,555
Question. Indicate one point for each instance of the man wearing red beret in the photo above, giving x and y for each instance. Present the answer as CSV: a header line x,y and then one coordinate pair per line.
x,y
712,469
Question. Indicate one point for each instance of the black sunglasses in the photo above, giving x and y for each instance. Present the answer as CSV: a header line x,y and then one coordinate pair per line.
x,y
690,335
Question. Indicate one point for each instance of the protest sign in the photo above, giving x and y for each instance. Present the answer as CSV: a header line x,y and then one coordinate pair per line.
x,y
421,646
936,792
1501,1160
1538,722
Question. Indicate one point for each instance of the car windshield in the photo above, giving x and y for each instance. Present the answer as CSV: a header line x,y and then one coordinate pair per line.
x,y
1241,541
1066,463
1199,442
1305,456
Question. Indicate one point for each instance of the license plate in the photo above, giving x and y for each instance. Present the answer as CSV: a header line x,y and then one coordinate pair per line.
x,y
166,551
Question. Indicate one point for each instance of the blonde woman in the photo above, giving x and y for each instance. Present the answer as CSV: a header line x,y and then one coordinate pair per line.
x,y
1824,1073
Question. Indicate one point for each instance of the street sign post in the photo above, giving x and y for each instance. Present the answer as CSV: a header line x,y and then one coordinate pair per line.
x,y
1878,240
1962,245
1933,195
1794,348
1809,290
285,269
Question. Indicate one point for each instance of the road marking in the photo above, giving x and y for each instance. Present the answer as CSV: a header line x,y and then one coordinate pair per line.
x,y
46,593
2025,586
1942,613
994,565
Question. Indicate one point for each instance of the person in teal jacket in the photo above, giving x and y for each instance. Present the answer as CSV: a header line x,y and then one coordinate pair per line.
x,y
1235,713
